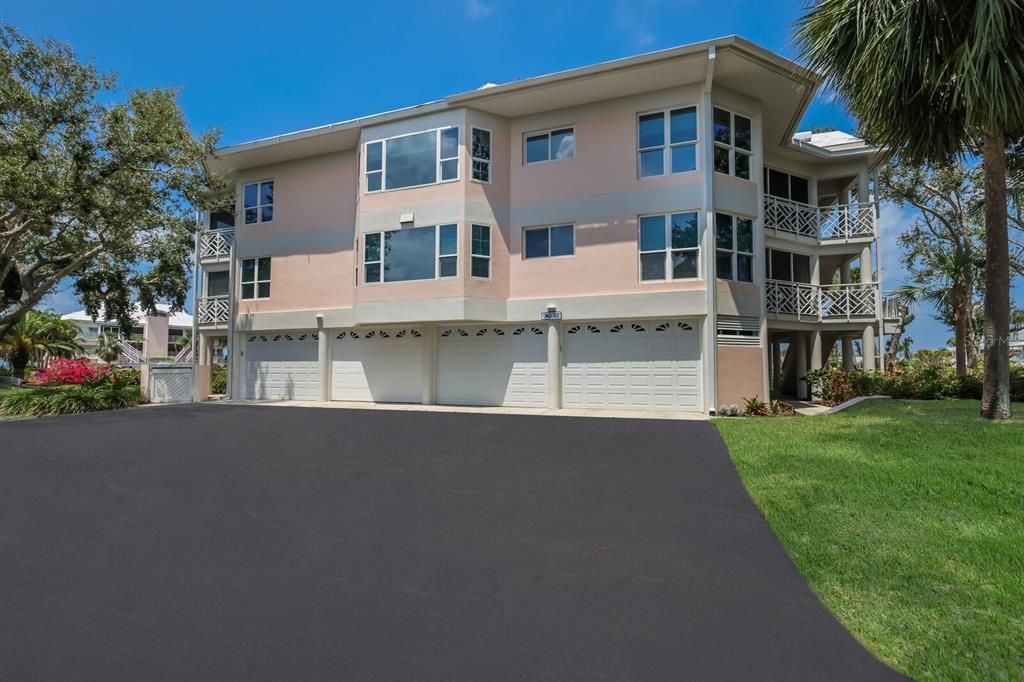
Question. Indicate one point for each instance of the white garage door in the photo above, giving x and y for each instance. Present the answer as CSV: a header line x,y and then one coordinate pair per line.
x,y
504,366
632,365
282,366
378,365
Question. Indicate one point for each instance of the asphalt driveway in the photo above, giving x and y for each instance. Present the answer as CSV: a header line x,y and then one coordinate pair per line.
x,y
272,543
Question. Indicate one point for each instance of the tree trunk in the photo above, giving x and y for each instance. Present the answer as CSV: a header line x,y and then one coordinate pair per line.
x,y
995,395
960,334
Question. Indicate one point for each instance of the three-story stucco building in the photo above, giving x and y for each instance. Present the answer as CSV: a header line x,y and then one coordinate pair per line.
x,y
647,233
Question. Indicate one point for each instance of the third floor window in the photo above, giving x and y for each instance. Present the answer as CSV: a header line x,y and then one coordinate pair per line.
x,y
732,144
258,202
667,142
413,160
550,145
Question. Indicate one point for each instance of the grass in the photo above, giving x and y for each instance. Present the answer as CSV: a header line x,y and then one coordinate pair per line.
x,y
907,519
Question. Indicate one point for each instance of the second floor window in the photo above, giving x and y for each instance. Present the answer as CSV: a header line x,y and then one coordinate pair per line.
x,y
545,242
732,144
667,142
411,254
258,202
480,264
734,243
669,247
481,153
550,145
255,278
413,160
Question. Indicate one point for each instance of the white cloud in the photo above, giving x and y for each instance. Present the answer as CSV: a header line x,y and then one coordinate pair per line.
x,y
479,9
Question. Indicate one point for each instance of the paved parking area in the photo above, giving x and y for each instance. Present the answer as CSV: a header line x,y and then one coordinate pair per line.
x,y
248,543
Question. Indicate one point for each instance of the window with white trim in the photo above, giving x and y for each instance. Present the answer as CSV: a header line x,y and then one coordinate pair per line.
x,y
786,185
258,202
734,247
480,143
410,254
255,278
480,252
412,160
669,247
732,135
667,142
549,242
549,145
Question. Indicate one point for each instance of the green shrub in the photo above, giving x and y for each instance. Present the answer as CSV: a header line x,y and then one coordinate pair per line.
x,y
755,407
915,380
219,379
130,375
105,393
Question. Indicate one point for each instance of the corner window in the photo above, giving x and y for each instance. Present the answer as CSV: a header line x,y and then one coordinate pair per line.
x,y
412,160
255,278
732,144
481,154
667,142
480,264
669,247
411,254
734,244
258,202
549,242
550,145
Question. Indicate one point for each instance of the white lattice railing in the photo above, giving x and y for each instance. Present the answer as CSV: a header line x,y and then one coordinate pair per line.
x,y
184,355
892,307
216,244
214,310
826,223
817,303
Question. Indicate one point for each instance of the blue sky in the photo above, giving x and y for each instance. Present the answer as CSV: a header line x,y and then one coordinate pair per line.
x,y
254,69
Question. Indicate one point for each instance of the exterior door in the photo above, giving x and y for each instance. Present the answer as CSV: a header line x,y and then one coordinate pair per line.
x,y
492,366
282,366
383,365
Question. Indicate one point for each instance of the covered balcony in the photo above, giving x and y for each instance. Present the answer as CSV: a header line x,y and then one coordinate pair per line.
x,y
816,303
833,223
213,311
215,245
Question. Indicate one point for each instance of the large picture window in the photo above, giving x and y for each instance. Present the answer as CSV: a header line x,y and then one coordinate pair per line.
x,y
550,145
258,202
549,242
255,278
411,254
734,244
669,247
732,144
412,160
667,142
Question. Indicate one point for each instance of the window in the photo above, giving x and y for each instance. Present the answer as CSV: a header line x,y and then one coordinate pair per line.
x,y
258,202
481,154
781,184
669,247
732,144
411,254
678,128
413,160
480,265
550,145
545,242
256,278
217,283
788,267
221,219
734,243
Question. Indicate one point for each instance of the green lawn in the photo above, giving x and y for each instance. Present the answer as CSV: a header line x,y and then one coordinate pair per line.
x,y
907,519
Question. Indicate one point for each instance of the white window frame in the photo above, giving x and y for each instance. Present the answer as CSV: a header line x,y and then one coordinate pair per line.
x,y
437,254
255,281
548,132
259,205
667,146
734,251
538,228
437,160
668,250
473,256
487,162
731,146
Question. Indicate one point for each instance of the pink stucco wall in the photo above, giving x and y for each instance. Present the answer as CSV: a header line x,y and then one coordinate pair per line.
x,y
740,374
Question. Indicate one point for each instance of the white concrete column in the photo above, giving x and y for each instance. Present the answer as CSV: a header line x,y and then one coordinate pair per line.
x,y
815,269
776,366
429,364
865,265
203,356
816,350
554,366
323,358
844,273
868,343
848,363
799,346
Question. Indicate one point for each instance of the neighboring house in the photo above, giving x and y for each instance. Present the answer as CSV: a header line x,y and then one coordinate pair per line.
x,y
647,233
152,336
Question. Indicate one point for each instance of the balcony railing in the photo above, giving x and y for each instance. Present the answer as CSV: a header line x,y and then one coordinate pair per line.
x,y
838,302
216,244
214,310
893,307
824,223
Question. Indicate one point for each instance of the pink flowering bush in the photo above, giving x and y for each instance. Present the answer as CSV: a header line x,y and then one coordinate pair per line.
x,y
62,371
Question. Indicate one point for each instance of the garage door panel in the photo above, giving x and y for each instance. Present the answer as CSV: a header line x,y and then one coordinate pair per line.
x,y
492,366
282,366
632,365
378,365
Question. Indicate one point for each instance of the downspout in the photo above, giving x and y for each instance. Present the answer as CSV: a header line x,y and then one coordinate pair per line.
x,y
195,296
708,244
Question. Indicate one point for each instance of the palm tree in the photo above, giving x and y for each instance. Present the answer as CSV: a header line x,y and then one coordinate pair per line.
x,y
38,336
108,347
931,81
